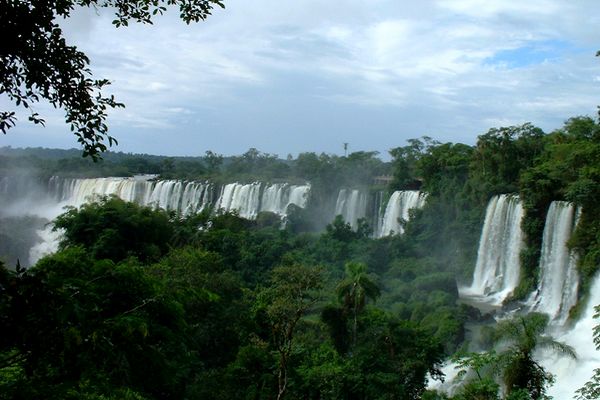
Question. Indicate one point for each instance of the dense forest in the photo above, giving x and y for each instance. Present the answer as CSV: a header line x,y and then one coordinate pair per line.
x,y
144,303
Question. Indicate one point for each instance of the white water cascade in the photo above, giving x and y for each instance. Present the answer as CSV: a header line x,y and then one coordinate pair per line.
x,y
497,270
181,196
243,198
572,374
558,284
298,195
22,196
398,207
277,197
246,199
351,205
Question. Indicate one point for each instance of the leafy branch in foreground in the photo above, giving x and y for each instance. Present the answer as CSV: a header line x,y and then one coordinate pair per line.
x,y
37,63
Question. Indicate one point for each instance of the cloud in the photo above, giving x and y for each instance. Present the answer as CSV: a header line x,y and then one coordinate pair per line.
x,y
293,76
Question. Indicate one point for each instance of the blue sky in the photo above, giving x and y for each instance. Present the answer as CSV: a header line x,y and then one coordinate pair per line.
x,y
289,77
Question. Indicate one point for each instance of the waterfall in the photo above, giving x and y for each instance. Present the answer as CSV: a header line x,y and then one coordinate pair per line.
x,y
247,200
172,195
243,198
27,196
497,270
559,280
398,209
298,195
351,205
274,198
572,374
196,198
75,192
47,245
376,214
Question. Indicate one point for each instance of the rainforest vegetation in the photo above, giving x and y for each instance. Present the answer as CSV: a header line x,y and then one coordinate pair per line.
x,y
141,303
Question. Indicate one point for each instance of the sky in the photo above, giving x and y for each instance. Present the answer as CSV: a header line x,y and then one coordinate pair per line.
x,y
287,77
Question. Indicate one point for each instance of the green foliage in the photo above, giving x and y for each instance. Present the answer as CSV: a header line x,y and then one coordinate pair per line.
x,y
250,320
406,174
393,358
354,290
517,339
502,153
212,299
481,389
72,319
523,335
293,292
449,224
114,229
566,169
485,365
253,164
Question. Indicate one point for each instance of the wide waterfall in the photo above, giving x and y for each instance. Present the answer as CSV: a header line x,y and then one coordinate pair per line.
x,y
398,207
559,280
22,196
497,270
351,205
183,197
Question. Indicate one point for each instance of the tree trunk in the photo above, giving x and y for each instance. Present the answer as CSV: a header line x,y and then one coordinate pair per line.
x,y
282,376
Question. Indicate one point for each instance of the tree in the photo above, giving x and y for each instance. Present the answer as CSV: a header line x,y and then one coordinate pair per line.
x,y
405,161
484,365
114,229
74,324
517,339
392,358
213,161
523,335
37,63
293,292
354,290
502,153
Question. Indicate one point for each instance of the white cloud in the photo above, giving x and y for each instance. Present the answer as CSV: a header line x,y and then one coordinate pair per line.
x,y
444,67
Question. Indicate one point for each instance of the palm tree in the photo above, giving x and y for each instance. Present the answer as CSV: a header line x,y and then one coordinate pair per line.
x,y
518,338
354,290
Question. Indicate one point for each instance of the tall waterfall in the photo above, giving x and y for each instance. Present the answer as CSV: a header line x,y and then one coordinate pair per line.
x,y
572,374
497,270
351,205
397,209
559,280
376,213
